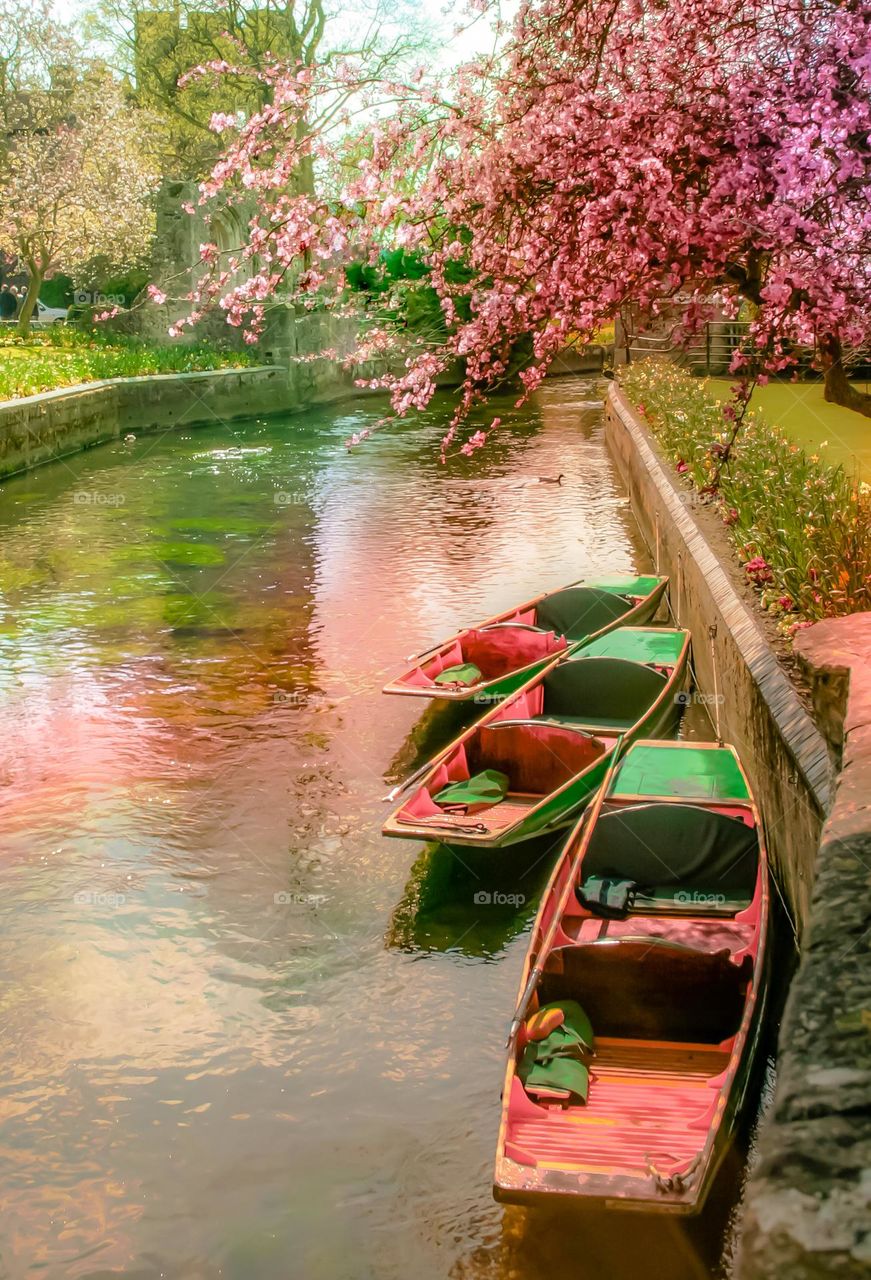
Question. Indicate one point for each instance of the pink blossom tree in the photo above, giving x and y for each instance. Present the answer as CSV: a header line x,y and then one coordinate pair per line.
x,y
614,152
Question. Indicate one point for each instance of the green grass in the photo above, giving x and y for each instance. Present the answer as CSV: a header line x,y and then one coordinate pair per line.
x,y
66,357
840,436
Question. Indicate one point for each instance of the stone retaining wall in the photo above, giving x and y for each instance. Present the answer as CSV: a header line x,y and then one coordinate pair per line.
x,y
808,1204
784,753
40,428
37,429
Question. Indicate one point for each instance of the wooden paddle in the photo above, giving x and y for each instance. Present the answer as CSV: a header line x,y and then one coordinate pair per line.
x,y
591,817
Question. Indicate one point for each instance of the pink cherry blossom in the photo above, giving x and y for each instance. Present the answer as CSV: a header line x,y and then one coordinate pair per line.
x,y
474,442
716,152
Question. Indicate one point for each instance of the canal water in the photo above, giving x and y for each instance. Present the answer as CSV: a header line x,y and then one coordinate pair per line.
x,y
243,1036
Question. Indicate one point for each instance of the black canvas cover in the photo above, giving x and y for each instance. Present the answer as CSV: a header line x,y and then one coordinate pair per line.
x,y
674,844
602,688
580,611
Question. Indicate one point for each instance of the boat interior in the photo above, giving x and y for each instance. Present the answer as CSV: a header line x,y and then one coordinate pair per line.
x,y
640,987
495,650
605,694
680,856
538,759
542,738
529,636
665,993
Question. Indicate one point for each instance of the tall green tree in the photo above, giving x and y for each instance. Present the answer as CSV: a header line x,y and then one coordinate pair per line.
x,y
156,44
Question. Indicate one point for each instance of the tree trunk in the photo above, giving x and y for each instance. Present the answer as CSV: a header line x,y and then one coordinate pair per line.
x,y
28,306
304,177
837,388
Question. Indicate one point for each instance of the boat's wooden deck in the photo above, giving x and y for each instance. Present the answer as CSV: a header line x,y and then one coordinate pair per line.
x,y
647,1099
499,817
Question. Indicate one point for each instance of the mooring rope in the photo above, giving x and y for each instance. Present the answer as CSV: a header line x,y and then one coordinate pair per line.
x,y
712,634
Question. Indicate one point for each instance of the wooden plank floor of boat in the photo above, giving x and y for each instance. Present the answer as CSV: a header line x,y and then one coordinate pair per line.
x,y
510,810
644,1095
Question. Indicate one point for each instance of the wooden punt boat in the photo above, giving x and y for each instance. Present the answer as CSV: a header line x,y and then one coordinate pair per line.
x,y
673,986
552,740
510,647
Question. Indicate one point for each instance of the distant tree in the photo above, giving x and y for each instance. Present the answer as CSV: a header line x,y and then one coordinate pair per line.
x,y
30,39
37,54
156,43
74,183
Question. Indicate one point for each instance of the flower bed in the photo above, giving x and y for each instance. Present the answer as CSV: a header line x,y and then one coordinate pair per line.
x,y
63,358
801,528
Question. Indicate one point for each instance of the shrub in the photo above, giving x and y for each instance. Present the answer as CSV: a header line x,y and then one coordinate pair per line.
x,y
801,528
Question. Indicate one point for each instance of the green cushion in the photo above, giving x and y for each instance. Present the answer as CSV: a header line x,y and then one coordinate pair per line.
x,y
564,1076
576,1027
481,790
558,1062
608,897
465,674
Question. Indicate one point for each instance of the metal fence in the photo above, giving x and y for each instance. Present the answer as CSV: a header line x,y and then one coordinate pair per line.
x,y
710,350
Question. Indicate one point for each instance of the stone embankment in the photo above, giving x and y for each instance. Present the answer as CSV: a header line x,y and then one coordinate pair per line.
x,y
738,674
54,424
43,428
808,1211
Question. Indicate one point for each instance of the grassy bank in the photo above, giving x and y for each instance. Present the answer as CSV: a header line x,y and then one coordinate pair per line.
x,y
800,526
65,357
839,435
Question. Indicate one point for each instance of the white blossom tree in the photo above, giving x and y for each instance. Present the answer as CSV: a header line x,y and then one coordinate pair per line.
x,y
74,184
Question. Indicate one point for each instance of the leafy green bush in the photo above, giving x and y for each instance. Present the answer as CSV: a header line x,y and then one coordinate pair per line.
x,y
126,285
57,291
401,294
802,529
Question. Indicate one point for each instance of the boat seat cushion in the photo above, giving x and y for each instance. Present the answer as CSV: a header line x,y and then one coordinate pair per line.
x,y
481,791
499,650
558,1079
555,1065
465,673
611,899
611,690
648,988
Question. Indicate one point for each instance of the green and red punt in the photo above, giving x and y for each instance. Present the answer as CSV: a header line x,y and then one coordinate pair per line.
x,y
547,745
643,991
499,655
